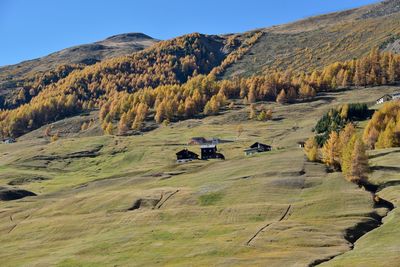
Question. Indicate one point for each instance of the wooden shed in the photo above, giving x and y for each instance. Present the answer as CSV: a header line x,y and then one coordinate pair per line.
x,y
186,154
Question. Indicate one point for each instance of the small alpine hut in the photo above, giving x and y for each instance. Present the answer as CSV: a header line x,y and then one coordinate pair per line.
x,y
384,99
209,151
257,148
301,144
9,140
186,155
388,97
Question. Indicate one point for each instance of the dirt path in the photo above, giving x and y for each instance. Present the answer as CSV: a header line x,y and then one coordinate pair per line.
x,y
161,203
287,212
285,215
15,225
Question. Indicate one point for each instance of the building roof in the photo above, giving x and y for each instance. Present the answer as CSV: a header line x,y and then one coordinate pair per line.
x,y
394,95
257,144
385,95
198,139
185,151
208,146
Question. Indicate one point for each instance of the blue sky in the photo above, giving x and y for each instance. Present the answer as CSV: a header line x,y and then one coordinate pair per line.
x,y
34,28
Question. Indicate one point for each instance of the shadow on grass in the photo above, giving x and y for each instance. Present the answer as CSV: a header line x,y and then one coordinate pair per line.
x,y
383,154
385,168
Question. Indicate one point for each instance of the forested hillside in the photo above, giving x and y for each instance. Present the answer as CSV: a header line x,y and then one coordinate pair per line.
x,y
128,91
15,77
230,67
169,62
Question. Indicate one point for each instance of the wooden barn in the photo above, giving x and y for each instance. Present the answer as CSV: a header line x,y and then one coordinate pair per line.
x,y
388,97
185,155
257,148
383,99
210,152
261,147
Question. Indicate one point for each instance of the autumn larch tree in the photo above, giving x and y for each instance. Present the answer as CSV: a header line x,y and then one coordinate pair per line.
x,y
252,113
311,149
331,151
346,155
123,125
282,98
109,129
359,163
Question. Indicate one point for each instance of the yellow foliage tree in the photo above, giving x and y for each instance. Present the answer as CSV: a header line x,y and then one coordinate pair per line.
x,y
282,98
347,153
311,149
109,128
331,151
359,163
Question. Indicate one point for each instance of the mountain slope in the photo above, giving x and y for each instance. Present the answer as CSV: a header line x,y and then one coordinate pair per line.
x,y
318,41
305,45
209,210
168,63
14,76
118,45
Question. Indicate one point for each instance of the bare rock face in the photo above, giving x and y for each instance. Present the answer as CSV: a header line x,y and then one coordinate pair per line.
x,y
7,194
384,8
393,45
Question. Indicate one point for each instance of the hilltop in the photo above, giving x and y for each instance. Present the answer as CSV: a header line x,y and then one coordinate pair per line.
x,y
114,46
13,77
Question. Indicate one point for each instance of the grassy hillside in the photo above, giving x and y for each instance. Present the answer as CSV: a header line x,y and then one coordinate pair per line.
x,y
114,46
316,42
273,208
379,247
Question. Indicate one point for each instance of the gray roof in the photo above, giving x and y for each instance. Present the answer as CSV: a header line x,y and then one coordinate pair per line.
x,y
208,146
395,94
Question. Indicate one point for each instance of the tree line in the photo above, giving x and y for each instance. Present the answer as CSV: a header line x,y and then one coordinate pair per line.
x,y
175,80
383,130
343,150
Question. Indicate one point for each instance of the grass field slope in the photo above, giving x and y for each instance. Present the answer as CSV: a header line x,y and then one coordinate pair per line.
x,y
318,41
113,200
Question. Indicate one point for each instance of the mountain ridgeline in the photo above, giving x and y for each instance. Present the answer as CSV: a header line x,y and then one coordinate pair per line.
x,y
198,74
15,77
